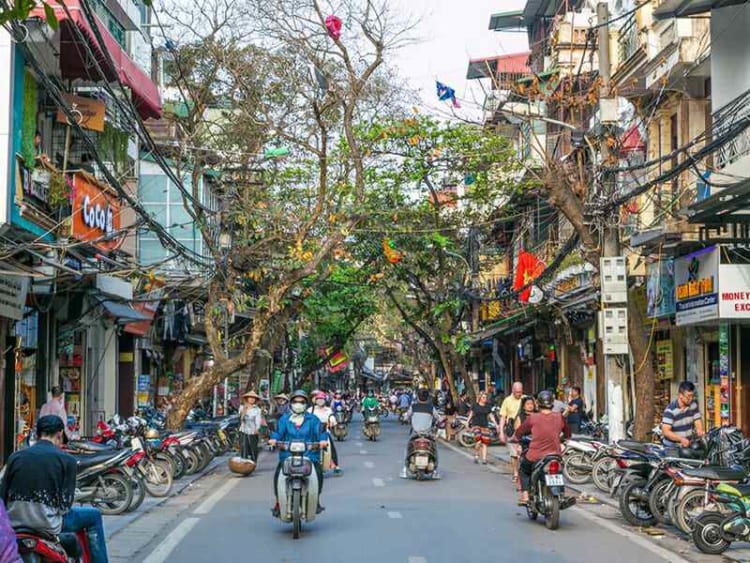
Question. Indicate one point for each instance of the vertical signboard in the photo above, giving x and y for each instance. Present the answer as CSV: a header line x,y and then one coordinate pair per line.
x,y
696,286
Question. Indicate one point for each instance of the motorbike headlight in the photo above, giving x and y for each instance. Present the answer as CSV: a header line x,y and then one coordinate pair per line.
x,y
297,447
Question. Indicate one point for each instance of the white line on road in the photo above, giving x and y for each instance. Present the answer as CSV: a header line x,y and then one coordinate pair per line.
x,y
208,505
417,559
369,464
162,551
363,452
603,522
394,515
358,444
378,482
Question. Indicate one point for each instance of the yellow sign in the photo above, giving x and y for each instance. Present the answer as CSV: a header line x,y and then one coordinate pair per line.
x,y
126,356
88,111
695,288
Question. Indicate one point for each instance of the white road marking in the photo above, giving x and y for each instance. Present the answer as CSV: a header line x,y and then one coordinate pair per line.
x,y
417,559
363,452
358,444
369,464
208,505
665,554
394,515
378,482
162,551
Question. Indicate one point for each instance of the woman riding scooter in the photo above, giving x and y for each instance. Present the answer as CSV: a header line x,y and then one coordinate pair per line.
x,y
327,421
298,426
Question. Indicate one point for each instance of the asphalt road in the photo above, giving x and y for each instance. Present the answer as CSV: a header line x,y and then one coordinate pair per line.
x,y
373,516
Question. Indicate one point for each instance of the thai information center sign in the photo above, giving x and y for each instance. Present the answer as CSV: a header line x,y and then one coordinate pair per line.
x,y
706,290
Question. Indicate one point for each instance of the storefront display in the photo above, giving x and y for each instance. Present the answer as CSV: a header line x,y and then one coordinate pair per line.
x,y
71,377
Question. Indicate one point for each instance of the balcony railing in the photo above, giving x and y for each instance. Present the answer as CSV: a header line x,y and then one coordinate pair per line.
x,y
627,43
735,114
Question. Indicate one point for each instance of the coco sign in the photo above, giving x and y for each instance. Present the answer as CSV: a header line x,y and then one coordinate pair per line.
x,y
96,213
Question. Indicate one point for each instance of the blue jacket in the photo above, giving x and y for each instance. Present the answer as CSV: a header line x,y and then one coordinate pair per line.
x,y
308,432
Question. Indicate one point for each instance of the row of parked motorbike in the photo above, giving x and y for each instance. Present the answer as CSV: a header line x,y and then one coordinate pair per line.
x,y
702,490
128,459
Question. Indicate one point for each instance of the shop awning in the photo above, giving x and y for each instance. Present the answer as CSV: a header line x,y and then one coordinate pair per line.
x,y
725,206
77,62
123,313
367,373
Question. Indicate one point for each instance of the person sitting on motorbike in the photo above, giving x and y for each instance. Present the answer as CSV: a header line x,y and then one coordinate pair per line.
x,y
327,421
371,401
38,490
338,402
423,415
298,425
404,401
544,427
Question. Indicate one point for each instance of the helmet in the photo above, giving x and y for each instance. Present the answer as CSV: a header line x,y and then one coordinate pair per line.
x,y
423,394
152,434
241,466
371,393
545,399
281,397
299,393
320,395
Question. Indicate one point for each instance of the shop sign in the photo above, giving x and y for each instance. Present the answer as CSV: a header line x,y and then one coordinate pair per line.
x,y
734,291
696,286
144,390
96,214
660,290
664,360
91,112
568,285
13,291
146,304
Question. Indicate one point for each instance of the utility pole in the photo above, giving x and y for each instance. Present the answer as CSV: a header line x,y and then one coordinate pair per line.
x,y
612,272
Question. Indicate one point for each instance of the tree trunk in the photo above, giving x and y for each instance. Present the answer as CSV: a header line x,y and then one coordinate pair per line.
x,y
645,377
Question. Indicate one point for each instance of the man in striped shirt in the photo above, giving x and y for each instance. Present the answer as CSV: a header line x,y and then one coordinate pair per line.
x,y
681,420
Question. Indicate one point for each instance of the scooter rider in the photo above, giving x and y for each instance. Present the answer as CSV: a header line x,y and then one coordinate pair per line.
x,y
298,426
545,428
371,401
327,421
422,413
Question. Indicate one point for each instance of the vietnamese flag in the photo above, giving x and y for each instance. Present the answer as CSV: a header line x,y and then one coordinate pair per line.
x,y
529,268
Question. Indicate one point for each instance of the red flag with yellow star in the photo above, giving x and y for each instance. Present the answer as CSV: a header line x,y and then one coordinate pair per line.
x,y
529,268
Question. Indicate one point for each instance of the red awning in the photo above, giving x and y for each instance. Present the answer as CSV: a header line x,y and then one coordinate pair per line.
x,y
76,61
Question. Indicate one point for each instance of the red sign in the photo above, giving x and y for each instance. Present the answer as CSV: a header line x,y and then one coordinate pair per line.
x,y
96,213
147,304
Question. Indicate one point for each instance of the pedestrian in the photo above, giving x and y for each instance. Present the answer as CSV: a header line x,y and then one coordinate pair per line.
x,y
450,415
681,420
558,405
478,420
576,409
250,422
508,412
56,406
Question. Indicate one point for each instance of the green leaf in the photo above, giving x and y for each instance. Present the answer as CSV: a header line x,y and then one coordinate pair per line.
x,y
49,15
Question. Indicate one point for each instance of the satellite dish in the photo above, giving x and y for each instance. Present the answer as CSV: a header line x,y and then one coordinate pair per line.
x,y
536,295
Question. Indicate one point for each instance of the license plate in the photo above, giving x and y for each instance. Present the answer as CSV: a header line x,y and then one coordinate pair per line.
x,y
554,480
421,461
136,444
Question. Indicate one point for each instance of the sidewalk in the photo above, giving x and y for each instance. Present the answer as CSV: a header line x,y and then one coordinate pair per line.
x,y
115,524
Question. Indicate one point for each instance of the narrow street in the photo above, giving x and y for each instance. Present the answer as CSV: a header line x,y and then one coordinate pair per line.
x,y
371,515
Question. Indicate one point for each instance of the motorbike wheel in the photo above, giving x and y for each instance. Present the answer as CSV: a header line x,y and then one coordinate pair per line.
x,y
708,536
191,461
139,494
658,501
466,439
634,507
122,488
552,518
689,507
158,480
296,514
601,473
179,465
167,458
575,470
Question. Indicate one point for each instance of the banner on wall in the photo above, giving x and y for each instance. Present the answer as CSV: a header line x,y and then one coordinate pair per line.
x,y
660,294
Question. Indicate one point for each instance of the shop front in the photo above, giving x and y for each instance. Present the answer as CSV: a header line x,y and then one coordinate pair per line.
x,y
712,301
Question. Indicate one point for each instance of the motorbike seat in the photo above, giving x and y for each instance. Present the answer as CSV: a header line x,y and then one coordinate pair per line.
x,y
22,531
715,473
635,446
86,446
89,460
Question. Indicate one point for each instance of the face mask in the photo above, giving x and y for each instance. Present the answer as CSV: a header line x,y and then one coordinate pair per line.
x,y
298,408
320,402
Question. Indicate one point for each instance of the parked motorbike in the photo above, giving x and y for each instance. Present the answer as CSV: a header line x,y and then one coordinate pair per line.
x,y
36,547
99,484
578,459
717,529
371,426
421,456
547,492
341,430
297,486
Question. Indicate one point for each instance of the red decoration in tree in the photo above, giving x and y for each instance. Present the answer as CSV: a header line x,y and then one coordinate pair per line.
x,y
333,25
391,254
